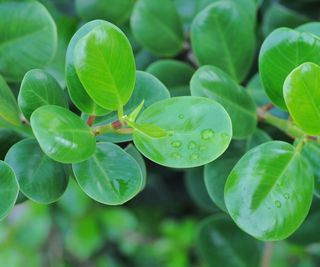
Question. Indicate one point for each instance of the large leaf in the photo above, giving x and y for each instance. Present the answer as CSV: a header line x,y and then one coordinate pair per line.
x,y
40,178
269,191
193,137
211,82
28,38
301,92
62,135
176,75
39,88
78,94
157,26
115,11
215,44
105,65
282,51
9,109
111,176
147,88
221,243
9,189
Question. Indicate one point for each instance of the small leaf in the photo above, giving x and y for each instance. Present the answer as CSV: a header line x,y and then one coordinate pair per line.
x,y
215,44
301,92
111,176
77,93
105,65
40,178
282,51
209,81
9,189
156,26
269,191
39,88
257,138
194,137
134,114
9,109
28,38
62,135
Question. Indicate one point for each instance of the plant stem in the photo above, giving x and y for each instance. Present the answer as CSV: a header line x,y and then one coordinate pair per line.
x,y
267,255
91,120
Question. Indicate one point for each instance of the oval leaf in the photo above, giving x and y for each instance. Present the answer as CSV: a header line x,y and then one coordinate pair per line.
x,y
209,81
9,109
78,94
301,92
193,138
28,38
282,51
269,191
9,189
105,65
62,135
157,20
111,176
215,44
39,88
40,178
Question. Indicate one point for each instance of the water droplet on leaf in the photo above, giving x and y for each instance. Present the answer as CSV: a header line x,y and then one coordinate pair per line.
x,y
176,143
225,136
194,156
181,116
286,196
201,148
192,145
277,203
207,134
176,155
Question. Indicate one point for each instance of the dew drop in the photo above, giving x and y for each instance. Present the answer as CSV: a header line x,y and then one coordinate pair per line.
x,y
181,116
207,134
194,156
176,155
192,145
176,144
277,203
286,196
225,136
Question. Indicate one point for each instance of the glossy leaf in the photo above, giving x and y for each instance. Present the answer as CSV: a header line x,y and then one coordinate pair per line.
x,y
174,74
78,94
115,11
211,82
9,109
221,243
62,135
9,189
282,51
269,191
105,65
147,88
257,138
215,44
39,88
157,20
193,138
40,178
28,38
104,178
301,92
310,27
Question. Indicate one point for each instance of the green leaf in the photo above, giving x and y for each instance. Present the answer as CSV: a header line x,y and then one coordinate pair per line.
x,y
174,74
115,11
257,138
311,27
269,191
9,109
194,138
211,82
40,178
147,88
221,243
282,51
301,92
255,89
28,38
215,44
62,135
77,93
9,189
39,88
156,26
111,176
105,65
